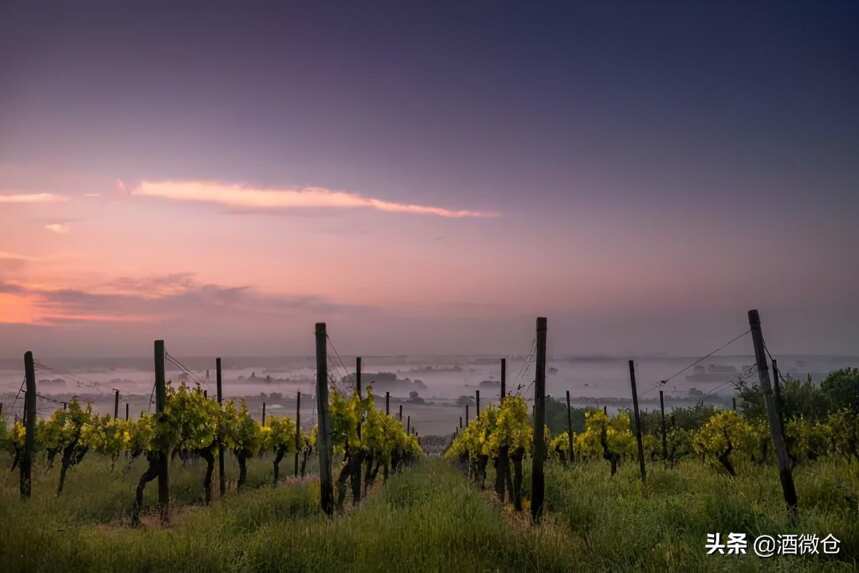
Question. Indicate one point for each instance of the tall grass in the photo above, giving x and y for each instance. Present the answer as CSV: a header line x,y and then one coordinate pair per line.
x,y
428,518
662,524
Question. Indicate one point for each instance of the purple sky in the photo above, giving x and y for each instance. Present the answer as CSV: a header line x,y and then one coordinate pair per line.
x,y
427,178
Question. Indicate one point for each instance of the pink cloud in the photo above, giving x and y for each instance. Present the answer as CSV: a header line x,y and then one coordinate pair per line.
x,y
239,196
6,255
58,228
31,198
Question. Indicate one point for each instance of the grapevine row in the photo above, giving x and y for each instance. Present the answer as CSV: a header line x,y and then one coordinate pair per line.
x,y
722,437
191,425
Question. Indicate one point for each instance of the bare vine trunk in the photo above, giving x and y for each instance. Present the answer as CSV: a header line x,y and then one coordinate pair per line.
x,y
607,454
150,474
355,475
243,470
342,478
499,478
71,456
482,462
368,472
278,457
304,457
517,456
210,470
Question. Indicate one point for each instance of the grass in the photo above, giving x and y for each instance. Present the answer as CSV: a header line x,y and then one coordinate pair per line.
x,y
428,518
662,524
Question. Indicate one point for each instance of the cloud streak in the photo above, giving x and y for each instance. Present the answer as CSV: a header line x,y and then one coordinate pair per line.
x,y
30,198
58,228
177,296
246,197
6,255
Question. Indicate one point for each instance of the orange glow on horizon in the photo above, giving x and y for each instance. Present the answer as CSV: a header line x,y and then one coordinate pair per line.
x,y
16,309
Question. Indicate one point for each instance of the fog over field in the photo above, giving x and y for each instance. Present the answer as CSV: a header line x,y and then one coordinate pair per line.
x,y
438,380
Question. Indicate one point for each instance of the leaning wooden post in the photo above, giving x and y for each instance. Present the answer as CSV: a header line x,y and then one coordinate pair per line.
x,y
116,404
387,403
779,400
222,478
664,434
785,474
570,427
160,405
323,440
537,478
297,429
637,420
26,461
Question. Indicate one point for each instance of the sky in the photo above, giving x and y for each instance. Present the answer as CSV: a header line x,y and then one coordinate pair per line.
x,y
427,177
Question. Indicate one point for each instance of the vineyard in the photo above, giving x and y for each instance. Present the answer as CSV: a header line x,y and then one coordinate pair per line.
x,y
519,486
192,428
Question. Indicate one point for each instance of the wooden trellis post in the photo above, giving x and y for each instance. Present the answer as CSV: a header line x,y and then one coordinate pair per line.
x,y
297,429
356,457
160,405
664,434
387,403
773,416
323,440
537,479
637,420
116,404
358,375
503,379
779,400
222,478
477,403
502,466
570,428
26,461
